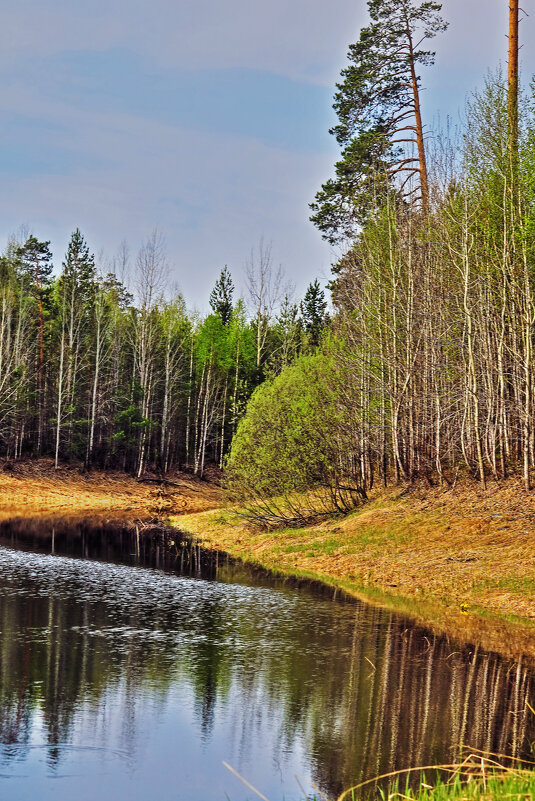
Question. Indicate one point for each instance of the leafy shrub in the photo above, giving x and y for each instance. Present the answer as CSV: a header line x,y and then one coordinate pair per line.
x,y
294,455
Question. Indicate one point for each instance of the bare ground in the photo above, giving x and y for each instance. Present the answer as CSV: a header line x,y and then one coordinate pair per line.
x,y
35,489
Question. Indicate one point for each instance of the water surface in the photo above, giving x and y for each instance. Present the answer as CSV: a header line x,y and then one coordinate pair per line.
x,y
132,664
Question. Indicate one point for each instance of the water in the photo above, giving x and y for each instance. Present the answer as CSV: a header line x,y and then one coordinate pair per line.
x,y
132,666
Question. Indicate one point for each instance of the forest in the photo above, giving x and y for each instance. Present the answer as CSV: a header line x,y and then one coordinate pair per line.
x,y
115,376
424,369
426,372
281,542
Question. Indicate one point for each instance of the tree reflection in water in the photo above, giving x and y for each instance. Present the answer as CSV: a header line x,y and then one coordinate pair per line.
x,y
337,689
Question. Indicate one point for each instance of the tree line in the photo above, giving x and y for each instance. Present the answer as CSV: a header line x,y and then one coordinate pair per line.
x,y
427,370
118,373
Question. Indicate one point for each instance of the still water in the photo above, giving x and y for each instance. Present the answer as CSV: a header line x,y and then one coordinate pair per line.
x,y
133,665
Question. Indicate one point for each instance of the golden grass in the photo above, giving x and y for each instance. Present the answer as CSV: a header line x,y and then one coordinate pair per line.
x,y
35,489
459,780
462,561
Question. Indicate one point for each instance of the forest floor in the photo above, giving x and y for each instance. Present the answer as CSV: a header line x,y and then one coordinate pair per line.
x,y
461,560
35,489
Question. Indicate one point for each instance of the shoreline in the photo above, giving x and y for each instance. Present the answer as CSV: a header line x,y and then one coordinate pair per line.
x,y
460,563
35,489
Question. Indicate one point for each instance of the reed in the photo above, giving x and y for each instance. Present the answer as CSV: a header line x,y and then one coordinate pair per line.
x,y
481,776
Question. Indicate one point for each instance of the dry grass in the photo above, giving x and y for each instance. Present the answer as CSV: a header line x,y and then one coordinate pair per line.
x,y
463,560
481,776
35,489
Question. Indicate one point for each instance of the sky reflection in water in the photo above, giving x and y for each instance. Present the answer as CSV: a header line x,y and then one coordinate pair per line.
x,y
128,682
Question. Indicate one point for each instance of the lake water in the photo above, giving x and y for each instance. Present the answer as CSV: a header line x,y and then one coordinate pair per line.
x,y
132,666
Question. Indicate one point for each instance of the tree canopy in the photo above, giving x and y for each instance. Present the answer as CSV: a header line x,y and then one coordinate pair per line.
x,y
380,128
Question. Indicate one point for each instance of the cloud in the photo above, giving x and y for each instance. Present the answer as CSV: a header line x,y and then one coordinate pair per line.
x,y
296,39
207,119
213,195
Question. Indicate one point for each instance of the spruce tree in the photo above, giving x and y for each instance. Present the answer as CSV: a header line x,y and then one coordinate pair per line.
x,y
75,316
221,296
314,311
79,268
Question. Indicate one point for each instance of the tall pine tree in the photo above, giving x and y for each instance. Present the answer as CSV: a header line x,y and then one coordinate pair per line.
x,y
380,127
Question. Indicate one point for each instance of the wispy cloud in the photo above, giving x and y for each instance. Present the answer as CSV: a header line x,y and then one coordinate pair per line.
x,y
208,119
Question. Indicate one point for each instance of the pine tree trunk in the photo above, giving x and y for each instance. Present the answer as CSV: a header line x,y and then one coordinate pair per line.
x,y
513,81
165,410
422,160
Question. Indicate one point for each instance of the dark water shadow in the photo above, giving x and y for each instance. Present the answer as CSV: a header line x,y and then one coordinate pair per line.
x,y
151,545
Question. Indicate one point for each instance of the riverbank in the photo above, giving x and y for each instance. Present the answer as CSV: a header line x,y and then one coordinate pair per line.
x,y
35,489
461,561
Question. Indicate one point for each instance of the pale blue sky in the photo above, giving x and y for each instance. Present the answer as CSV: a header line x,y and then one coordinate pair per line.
x,y
206,119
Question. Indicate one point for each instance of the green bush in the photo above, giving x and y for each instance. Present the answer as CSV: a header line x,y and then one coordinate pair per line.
x,y
296,440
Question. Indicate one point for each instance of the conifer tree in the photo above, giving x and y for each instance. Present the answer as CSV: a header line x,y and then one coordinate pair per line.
x,y
288,331
76,295
380,126
314,311
221,296
36,267
79,266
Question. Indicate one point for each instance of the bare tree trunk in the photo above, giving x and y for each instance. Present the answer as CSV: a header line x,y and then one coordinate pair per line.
x,y
196,451
94,397
165,410
41,361
60,386
204,421
223,416
422,160
188,414
513,82
472,374
529,318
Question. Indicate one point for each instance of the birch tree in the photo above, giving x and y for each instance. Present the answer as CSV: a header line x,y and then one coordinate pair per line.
x,y
265,289
151,273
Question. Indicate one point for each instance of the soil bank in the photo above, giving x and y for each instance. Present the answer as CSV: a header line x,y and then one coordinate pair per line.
x,y
35,489
461,561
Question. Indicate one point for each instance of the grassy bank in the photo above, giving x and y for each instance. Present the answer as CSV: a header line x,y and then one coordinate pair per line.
x,y
514,784
461,561
35,489
480,777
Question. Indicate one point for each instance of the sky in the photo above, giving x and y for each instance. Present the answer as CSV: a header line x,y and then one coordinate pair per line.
x,y
204,119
